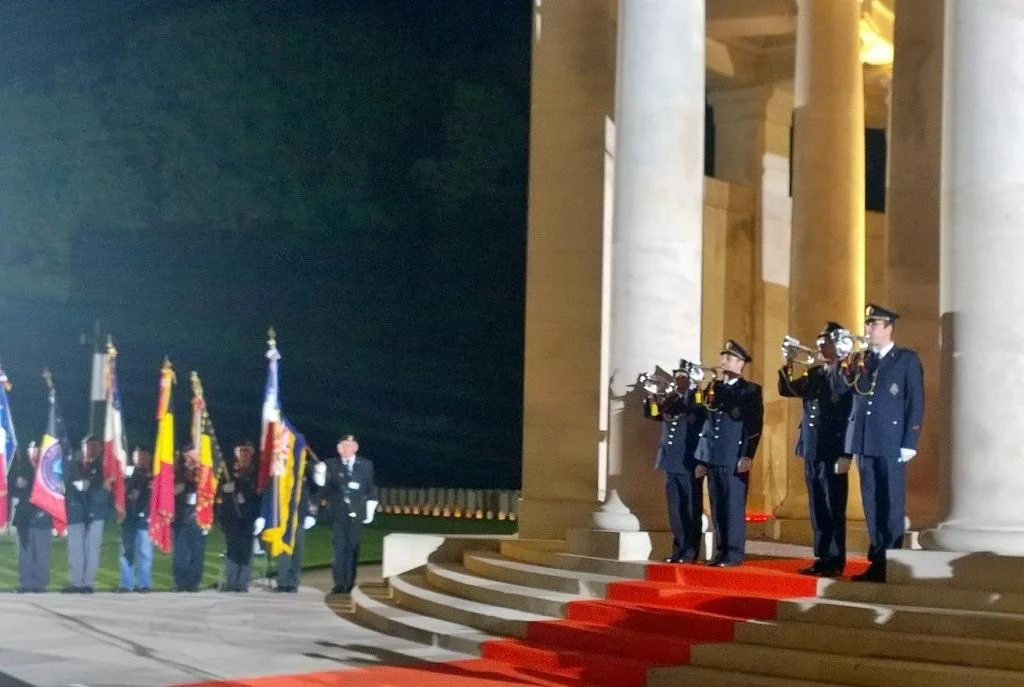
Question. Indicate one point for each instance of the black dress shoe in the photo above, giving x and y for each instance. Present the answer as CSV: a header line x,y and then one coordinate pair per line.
x,y
142,590
870,575
71,590
829,572
728,564
86,590
673,559
122,590
812,569
338,589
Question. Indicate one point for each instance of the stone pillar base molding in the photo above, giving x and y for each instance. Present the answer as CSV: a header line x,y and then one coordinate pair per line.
x,y
986,571
550,518
619,546
615,515
964,538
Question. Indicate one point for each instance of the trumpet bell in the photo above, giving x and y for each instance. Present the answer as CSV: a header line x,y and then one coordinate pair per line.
x,y
795,352
655,385
847,343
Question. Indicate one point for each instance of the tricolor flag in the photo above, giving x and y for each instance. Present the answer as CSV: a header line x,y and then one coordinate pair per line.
x,y
271,417
115,447
8,445
210,457
48,489
161,504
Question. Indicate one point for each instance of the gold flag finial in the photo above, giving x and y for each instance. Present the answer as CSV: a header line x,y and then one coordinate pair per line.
x,y
48,378
197,386
111,351
272,337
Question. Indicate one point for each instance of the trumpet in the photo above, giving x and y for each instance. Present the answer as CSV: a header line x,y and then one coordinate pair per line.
x,y
847,343
796,352
654,384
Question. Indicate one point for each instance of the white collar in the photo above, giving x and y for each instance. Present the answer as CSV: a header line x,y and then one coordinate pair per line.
x,y
731,381
883,351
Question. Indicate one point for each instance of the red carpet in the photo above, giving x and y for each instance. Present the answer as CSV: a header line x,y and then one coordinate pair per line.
x,y
603,642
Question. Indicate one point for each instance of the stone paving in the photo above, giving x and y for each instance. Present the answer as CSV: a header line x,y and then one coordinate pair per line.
x,y
136,640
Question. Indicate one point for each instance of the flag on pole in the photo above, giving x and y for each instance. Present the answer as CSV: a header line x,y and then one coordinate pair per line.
x,y
271,415
97,386
48,489
210,457
280,505
8,445
115,446
161,505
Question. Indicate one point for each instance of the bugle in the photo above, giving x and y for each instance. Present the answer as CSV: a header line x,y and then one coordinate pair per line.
x,y
795,352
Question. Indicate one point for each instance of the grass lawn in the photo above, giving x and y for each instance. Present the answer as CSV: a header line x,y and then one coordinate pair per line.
x,y
317,554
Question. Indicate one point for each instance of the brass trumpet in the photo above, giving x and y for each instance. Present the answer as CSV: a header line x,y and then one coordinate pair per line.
x,y
847,343
795,352
654,384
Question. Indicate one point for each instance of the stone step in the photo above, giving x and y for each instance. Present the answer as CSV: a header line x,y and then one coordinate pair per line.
x,y
699,676
911,619
456,580
870,642
598,638
553,558
923,595
853,670
413,591
592,668
496,567
375,610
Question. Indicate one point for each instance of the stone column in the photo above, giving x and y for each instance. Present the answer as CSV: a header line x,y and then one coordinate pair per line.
x,y
982,283
657,238
913,218
573,87
827,258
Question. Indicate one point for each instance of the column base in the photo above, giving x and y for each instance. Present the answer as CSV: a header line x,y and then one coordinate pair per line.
x,y
962,570
954,537
615,516
619,546
550,518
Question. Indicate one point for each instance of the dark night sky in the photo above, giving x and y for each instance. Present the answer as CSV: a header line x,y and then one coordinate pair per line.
x,y
353,173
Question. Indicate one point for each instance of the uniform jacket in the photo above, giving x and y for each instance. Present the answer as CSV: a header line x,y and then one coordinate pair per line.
x,y
94,502
887,404
237,503
346,493
732,424
185,498
137,491
825,412
26,514
682,419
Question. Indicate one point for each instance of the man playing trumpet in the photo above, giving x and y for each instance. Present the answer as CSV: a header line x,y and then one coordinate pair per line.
x,y
820,444
681,417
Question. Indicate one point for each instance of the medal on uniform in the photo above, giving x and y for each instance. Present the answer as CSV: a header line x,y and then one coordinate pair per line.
x,y
894,388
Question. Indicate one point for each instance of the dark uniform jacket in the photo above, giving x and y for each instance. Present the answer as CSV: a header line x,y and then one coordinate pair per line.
x,y
887,404
347,494
237,504
682,419
137,490
825,412
732,425
94,502
185,498
26,515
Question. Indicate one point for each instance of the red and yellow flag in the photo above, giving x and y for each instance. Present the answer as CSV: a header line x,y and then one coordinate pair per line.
x,y
210,458
161,505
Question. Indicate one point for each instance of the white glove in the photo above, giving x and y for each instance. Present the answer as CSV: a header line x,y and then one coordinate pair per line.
x,y
701,471
229,487
906,454
320,474
259,525
308,522
843,466
129,470
21,483
744,465
371,510
79,484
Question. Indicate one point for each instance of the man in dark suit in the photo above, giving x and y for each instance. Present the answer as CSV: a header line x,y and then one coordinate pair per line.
x,y
189,537
887,389
352,497
728,442
89,503
289,566
237,507
136,545
681,417
820,444
34,525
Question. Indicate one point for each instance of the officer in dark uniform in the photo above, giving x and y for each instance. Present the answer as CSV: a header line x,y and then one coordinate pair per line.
x,y
728,442
352,497
189,538
34,525
236,510
88,503
136,545
887,389
820,444
289,566
682,418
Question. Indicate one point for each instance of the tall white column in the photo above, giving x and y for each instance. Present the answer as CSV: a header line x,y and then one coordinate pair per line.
x,y
657,237
982,282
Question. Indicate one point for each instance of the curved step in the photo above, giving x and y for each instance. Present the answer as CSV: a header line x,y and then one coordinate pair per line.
x,y
455,580
699,676
413,591
496,567
923,595
911,619
523,552
854,670
853,641
592,668
377,614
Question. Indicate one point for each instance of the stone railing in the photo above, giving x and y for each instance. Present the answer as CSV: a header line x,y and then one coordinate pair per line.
x,y
441,502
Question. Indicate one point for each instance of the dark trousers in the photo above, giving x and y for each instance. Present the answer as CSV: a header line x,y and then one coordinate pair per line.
x,y
827,494
238,538
883,491
727,490
189,550
345,540
34,544
683,494
289,566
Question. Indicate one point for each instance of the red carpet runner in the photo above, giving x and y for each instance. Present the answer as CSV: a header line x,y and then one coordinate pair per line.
x,y
604,643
